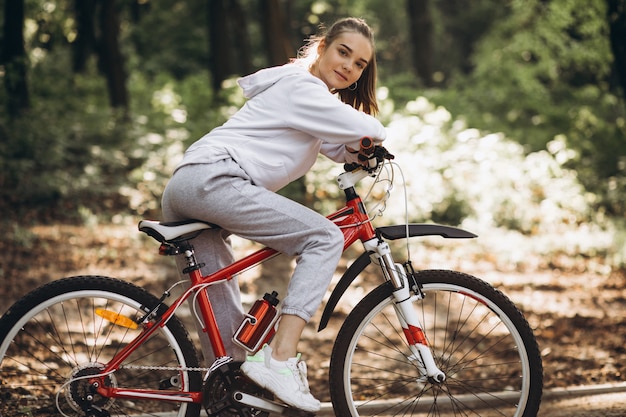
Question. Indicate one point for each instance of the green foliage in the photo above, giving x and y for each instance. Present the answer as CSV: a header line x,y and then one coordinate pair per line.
x,y
458,174
170,36
546,55
543,73
170,115
46,153
71,155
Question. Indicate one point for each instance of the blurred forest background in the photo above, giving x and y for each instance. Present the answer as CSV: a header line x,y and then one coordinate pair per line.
x,y
505,114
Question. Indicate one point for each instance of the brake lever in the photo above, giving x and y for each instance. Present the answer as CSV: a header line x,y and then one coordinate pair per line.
x,y
378,157
351,167
370,156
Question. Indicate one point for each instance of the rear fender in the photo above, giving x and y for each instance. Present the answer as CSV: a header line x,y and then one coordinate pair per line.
x,y
390,233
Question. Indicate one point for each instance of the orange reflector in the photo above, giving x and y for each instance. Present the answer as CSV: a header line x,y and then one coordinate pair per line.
x,y
116,318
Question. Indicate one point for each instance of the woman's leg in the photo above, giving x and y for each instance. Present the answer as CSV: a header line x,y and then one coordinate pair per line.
x,y
284,344
213,249
221,193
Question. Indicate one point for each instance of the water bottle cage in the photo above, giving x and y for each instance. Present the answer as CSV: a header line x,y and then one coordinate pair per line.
x,y
251,319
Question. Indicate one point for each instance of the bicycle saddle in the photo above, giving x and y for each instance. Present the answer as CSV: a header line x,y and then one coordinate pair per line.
x,y
173,232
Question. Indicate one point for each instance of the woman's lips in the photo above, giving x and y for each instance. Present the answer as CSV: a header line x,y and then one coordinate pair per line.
x,y
341,76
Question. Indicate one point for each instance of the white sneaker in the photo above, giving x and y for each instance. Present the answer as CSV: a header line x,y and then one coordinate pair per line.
x,y
286,380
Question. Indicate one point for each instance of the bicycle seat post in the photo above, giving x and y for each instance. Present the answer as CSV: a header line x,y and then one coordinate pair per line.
x,y
190,257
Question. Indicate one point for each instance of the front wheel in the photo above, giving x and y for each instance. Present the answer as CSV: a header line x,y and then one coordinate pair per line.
x,y
55,338
479,339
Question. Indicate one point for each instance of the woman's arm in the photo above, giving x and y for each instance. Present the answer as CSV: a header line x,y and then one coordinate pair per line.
x,y
313,109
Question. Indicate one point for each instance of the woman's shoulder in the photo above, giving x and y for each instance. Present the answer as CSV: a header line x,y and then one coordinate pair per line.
x,y
289,75
297,74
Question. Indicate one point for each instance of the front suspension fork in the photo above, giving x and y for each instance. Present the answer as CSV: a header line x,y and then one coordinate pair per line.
x,y
407,316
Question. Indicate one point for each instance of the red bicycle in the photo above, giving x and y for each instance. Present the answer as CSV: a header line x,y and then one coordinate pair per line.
x,y
429,342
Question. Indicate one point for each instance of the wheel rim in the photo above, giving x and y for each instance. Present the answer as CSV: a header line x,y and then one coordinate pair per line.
x,y
62,337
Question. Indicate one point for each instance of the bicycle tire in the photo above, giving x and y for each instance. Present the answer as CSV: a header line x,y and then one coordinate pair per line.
x,y
479,339
53,333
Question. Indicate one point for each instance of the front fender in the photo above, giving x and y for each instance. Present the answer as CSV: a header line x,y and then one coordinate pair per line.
x,y
346,280
399,231
391,233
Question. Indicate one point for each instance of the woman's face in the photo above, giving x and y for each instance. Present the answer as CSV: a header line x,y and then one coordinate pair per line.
x,y
341,63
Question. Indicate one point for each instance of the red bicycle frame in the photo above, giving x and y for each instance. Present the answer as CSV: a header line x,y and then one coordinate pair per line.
x,y
355,225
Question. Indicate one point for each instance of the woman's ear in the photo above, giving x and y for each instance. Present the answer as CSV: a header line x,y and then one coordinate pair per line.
x,y
321,46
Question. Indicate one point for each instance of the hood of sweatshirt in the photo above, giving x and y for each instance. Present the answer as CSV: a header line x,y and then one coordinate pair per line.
x,y
261,80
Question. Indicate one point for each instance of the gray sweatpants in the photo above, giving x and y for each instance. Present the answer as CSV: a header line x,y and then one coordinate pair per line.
x,y
223,194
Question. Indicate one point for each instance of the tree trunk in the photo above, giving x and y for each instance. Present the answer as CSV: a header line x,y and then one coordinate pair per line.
x,y
276,32
421,41
85,43
14,58
219,41
111,59
138,9
617,25
239,25
463,34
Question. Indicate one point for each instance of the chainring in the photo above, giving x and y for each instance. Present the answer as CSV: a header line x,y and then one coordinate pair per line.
x,y
219,386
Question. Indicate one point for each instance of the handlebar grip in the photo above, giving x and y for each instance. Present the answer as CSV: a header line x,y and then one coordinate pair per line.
x,y
366,148
367,145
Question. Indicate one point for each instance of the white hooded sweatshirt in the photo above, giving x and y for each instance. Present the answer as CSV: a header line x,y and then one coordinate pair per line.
x,y
290,117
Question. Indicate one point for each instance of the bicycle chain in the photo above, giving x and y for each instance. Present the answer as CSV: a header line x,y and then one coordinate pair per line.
x,y
164,368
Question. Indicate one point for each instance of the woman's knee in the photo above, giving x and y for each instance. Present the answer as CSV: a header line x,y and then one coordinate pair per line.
x,y
335,239
327,240
338,235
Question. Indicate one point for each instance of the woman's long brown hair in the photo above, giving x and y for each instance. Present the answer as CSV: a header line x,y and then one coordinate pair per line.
x,y
363,97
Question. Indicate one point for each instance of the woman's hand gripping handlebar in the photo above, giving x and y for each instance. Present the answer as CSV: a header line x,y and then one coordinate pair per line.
x,y
370,156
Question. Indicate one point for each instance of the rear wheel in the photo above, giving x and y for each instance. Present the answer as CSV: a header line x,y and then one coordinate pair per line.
x,y
54,338
479,339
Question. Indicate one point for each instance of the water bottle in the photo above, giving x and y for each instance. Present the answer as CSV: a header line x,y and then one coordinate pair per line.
x,y
258,325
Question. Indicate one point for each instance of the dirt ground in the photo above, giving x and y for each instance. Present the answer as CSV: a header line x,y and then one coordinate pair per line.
x,y
596,405
605,405
577,309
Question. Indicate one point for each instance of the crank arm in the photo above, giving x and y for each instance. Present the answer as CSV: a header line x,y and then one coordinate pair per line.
x,y
269,406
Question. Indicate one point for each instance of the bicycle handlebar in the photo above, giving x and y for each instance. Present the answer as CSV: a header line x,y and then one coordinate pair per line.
x,y
370,156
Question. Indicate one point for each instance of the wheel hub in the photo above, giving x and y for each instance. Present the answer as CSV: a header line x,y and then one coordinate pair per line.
x,y
80,393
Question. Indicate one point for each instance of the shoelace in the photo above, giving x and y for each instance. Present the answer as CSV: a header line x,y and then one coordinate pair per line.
x,y
303,375
300,372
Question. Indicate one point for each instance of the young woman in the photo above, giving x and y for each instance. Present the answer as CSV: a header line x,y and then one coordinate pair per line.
x,y
229,177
